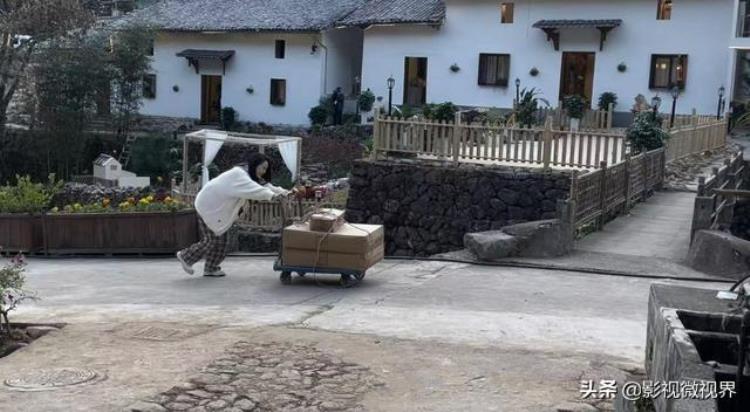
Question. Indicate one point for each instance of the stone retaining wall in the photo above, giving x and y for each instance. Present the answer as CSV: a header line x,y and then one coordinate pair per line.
x,y
427,207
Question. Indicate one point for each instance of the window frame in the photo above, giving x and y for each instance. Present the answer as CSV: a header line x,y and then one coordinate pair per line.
x,y
280,49
671,82
275,83
661,10
148,89
503,82
507,19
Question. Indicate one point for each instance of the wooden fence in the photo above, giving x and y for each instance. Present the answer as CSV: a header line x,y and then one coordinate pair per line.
x,y
479,142
696,137
610,190
592,119
714,204
683,120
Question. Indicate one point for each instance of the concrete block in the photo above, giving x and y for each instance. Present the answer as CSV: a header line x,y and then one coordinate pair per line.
x,y
542,238
719,253
491,245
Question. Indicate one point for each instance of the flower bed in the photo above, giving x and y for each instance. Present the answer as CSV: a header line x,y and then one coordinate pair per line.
x,y
148,223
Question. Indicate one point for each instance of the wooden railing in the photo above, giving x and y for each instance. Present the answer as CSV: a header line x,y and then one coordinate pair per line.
x,y
714,204
696,137
608,191
268,216
683,120
497,143
592,119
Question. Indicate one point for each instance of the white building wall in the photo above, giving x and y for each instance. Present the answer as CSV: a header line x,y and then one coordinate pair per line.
x,y
698,28
253,65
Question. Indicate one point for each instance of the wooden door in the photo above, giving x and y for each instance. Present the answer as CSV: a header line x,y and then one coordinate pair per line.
x,y
415,81
577,75
211,99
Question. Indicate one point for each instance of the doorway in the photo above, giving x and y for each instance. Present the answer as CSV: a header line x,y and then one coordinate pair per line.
x,y
415,81
210,99
577,75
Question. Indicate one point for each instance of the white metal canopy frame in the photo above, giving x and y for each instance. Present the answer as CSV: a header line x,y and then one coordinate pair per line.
x,y
290,148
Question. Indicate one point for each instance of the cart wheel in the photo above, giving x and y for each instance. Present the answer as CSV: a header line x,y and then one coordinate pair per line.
x,y
286,277
347,280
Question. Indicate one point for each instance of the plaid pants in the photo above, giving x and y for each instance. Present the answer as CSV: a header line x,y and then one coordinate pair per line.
x,y
211,247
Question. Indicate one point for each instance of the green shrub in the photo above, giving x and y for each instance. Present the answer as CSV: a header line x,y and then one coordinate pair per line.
x,y
646,133
228,118
527,106
605,99
366,100
318,115
26,196
441,112
575,105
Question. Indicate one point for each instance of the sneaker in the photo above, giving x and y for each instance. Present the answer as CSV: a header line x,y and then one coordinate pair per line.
x,y
187,268
218,273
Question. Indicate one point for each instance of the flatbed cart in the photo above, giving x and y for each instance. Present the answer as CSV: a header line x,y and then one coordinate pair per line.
x,y
349,277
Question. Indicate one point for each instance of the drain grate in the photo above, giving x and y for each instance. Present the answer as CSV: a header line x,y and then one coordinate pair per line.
x,y
51,379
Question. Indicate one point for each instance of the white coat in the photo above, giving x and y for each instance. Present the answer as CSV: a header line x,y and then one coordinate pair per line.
x,y
219,202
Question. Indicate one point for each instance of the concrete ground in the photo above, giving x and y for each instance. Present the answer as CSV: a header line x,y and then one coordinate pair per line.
x,y
438,336
656,228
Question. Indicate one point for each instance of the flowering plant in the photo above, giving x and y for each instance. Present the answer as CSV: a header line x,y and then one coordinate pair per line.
x,y
148,203
12,293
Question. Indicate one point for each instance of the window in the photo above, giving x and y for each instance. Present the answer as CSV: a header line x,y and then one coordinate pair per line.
x,y
493,69
664,10
506,11
149,86
278,92
280,49
668,70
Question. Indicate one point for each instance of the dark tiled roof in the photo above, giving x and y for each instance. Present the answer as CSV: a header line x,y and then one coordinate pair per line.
x,y
397,11
206,54
553,24
245,15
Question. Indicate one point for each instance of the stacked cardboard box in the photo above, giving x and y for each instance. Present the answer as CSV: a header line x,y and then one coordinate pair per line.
x,y
327,220
352,246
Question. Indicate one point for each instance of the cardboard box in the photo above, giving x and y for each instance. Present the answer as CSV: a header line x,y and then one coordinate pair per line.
x,y
327,220
353,246
350,238
332,260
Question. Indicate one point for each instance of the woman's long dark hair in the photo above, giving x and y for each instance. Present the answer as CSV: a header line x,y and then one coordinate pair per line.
x,y
255,160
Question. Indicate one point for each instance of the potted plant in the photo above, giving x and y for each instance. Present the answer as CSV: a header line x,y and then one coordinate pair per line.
x,y
575,106
365,102
21,207
605,99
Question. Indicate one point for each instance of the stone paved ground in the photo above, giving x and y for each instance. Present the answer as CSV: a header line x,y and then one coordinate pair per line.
x,y
274,376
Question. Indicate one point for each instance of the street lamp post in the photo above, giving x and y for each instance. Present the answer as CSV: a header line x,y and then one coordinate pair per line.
x,y
518,92
722,90
675,94
391,85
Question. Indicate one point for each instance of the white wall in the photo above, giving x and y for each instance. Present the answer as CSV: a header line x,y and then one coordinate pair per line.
x,y
698,28
254,64
344,58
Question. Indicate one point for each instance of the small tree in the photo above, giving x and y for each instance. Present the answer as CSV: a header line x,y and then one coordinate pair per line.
x,y
228,118
23,25
605,99
645,133
129,62
442,112
528,104
12,293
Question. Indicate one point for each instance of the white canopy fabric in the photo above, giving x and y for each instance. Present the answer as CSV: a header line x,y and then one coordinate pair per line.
x,y
289,152
213,143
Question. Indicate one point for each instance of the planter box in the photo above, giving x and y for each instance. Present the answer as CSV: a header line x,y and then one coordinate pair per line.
x,y
20,232
159,232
